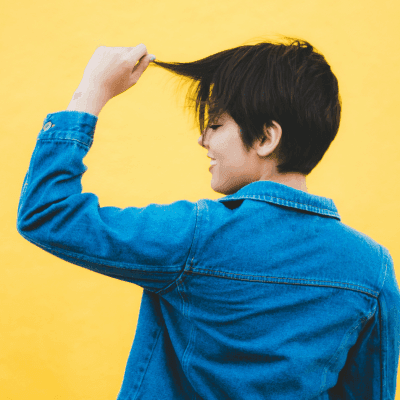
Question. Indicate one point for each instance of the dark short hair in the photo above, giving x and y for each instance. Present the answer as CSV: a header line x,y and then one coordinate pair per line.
x,y
290,83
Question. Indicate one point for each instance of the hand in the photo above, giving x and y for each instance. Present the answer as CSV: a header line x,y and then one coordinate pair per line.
x,y
113,70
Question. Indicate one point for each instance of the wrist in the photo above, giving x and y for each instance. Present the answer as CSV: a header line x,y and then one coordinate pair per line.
x,y
89,101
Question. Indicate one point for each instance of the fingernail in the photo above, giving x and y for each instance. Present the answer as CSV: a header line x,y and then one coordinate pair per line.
x,y
153,57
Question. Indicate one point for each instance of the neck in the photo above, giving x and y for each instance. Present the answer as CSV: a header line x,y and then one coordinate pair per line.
x,y
294,180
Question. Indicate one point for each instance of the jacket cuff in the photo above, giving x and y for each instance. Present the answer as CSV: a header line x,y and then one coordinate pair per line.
x,y
72,125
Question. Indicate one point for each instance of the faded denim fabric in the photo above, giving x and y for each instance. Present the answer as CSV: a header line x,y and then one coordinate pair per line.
x,y
263,294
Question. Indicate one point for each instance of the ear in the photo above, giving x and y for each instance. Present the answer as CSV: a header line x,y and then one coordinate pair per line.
x,y
270,141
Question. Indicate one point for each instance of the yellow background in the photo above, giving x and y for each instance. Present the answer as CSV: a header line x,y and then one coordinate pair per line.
x,y
65,331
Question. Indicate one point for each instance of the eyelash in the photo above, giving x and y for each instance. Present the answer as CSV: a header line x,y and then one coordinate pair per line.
x,y
214,127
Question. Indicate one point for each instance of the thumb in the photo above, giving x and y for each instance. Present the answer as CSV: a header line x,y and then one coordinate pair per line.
x,y
141,66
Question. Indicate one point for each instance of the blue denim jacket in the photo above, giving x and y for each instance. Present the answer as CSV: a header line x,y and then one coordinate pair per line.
x,y
262,294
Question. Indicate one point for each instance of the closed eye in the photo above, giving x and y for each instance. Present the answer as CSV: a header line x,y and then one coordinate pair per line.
x,y
214,127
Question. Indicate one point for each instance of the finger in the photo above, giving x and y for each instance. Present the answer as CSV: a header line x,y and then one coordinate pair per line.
x,y
141,66
136,54
139,51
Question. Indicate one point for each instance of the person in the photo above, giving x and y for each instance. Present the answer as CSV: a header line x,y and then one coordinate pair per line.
x,y
263,293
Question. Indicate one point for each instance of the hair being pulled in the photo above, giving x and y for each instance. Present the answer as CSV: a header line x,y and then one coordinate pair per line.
x,y
290,83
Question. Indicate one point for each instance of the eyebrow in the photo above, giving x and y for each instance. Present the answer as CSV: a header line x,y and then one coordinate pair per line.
x,y
219,119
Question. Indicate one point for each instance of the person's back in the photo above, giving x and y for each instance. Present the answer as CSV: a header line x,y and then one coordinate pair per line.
x,y
278,300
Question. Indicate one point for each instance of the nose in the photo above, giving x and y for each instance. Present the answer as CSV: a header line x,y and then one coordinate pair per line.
x,y
200,140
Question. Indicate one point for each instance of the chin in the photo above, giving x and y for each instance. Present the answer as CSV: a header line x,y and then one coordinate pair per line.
x,y
217,189
223,190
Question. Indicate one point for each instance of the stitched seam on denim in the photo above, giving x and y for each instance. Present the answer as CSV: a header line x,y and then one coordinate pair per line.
x,y
196,235
169,287
107,265
383,369
185,310
145,371
186,354
396,342
382,342
385,261
288,202
296,283
380,349
96,260
93,268
341,346
68,139
111,274
183,275
196,271
193,335
181,296
31,163
384,375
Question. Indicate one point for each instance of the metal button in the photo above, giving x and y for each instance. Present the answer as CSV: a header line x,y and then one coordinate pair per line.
x,y
47,126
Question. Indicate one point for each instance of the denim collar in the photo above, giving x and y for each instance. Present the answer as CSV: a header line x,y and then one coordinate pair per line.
x,y
286,196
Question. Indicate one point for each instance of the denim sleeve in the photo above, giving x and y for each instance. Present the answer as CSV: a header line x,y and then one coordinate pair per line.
x,y
389,309
147,246
370,372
